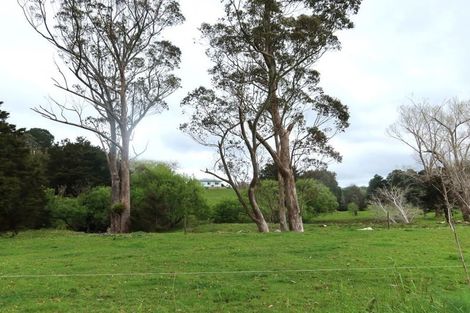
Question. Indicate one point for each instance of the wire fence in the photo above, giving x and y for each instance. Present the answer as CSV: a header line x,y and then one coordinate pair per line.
x,y
209,273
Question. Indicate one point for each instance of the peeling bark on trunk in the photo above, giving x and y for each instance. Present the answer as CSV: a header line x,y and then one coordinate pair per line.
x,y
125,197
295,218
115,192
283,225
113,165
286,171
258,216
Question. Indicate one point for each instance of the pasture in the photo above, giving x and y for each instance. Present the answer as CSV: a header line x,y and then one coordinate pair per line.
x,y
231,268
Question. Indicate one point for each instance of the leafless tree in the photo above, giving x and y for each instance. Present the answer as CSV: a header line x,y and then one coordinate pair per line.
x,y
116,67
392,201
440,137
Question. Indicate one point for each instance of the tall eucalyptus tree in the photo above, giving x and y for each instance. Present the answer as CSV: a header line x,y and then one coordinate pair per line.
x,y
273,45
116,66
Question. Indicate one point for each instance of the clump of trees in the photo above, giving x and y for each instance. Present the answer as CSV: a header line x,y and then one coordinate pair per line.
x,y
265,104
265,100
21,186
67,185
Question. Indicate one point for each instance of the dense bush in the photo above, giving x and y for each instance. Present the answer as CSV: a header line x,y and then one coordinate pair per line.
x,y
88,212
315,198
230,211
162,198
97,202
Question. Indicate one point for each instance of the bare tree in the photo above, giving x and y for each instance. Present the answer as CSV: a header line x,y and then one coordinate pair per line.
x,y
440,137
116,67
392,201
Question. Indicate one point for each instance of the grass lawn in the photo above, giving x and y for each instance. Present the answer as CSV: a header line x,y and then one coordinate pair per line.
x,y
231,268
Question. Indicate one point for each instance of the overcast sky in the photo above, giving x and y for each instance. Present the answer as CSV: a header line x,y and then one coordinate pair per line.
x,y
399,49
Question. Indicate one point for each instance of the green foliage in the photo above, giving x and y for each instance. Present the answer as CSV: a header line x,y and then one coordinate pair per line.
x,y
270,172
230,211
118,208
315,198
74,167
161,198
353,208
410,182
22,197
88,212
328,179
267,195
97,202
39,139
355,194
420,190
67,212
375,183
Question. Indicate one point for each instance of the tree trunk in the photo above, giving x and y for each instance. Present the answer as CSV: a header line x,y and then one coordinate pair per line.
x,y
258,216
465,213
125,132
295,218
114,170
262,226
125,197
285,169
282,204
113,165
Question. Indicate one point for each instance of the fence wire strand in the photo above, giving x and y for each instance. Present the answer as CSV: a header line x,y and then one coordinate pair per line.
x,y
207,273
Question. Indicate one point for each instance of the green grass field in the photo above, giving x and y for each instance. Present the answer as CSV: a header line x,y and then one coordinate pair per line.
x,y
217,195
231,268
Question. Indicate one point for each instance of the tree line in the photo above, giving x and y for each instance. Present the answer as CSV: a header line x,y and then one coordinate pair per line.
x,y
66,184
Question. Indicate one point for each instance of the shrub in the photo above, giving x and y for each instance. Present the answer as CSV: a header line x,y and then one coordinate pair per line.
x,y
353,208
88,212
67,212
315,198
97,203
162,198
230,211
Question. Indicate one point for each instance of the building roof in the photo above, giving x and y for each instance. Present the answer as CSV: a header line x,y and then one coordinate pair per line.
x,y
210,180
